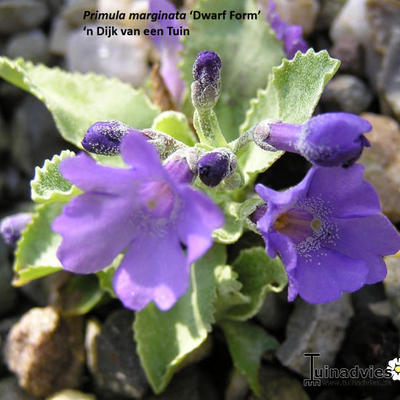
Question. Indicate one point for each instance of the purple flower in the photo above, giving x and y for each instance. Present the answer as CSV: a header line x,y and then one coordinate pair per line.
x,y
330,139
161,224
105,137
12,226
329,233
290,35
169,47
206,87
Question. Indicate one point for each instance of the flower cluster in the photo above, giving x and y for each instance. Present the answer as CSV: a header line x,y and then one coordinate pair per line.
x,y
149,212
322,230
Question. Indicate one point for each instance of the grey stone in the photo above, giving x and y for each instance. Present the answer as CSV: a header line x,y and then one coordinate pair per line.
x,y
112,57
346,93
8,293
69,394
19,15
275,311
9,390
32,46
238,386
34,135
112,357
59,34
299,12
277,384
383,17
314,329
73,11
328,11
351,55
344,27
382,162
389,77
392,287
190,383
45,351
4,134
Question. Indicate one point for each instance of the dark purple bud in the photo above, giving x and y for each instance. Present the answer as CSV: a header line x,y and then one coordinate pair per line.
x,y
327,140
12,226
179,170
206,87
258,213
215,166
333,139
105,137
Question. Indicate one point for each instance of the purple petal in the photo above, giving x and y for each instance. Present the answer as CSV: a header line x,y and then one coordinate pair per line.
x,y
283,245
142,156
291,35
199,218
333,139
346,192
369,235
12,226
327,275
171,73
154,268
85,173
95,228
169,47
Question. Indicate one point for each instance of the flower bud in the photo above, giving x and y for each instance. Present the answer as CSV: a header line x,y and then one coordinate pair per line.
x,y
179,170
12,226
105,137
215,166
206,87
327,140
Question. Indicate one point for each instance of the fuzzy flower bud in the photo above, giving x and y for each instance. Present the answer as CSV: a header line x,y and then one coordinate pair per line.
x,y
105,137
215,166
12,226
327,140
206,87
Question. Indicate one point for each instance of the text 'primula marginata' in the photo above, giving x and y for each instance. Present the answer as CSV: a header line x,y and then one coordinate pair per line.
x,y
153,205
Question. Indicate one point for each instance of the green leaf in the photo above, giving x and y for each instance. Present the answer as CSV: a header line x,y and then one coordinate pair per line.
x,y
36,250
233,227
293,91
228,291
48,185
165,339
176,125
248,50
77,101
247,342
258,274
80,295
106,276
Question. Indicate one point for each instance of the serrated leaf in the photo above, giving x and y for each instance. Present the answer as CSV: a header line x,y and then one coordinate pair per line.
x,y
247,342
106,276
165,339
248,50
233,227
76,101
48,185
258,274
293,91
228,291
176,125
80,295
35,255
